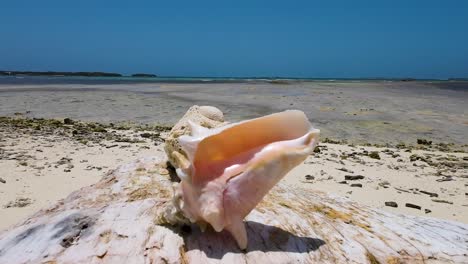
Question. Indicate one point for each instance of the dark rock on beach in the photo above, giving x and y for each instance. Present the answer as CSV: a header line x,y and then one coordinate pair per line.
x,y
410,205
374,155
391,204
431,194
353,177
424,141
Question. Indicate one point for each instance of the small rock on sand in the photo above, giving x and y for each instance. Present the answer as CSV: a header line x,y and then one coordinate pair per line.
x,y
356,185
374,155
353,177
410,205
424,141
391,204
2,180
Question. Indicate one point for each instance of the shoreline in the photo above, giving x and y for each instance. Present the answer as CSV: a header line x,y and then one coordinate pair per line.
x,y
384,113
43,160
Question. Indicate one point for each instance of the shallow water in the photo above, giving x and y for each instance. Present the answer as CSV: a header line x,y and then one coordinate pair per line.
x,y
372,111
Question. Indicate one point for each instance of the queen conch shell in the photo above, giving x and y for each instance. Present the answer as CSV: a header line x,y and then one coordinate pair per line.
x,y
226,171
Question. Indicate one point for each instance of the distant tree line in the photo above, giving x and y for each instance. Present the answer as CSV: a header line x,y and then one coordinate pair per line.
x,y
59,73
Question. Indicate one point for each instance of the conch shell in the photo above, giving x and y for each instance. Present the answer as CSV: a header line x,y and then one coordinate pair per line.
x,y
228,170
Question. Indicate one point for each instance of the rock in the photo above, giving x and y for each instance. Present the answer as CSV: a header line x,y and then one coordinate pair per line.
x,y
206,116
146,135
431,194
68,121
2,180
353,177
343,182
309,177
374,155
427,211
424,141
391,204
410,205
356,185
317,149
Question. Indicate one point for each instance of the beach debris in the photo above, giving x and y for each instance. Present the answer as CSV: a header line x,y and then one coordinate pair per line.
x,y
226,171
391,204
2,180
64,161
353,177
356,185
431,194
343,182
401,190
441,201
309,177
446,178
427,211
345,170
384,184
19,202
414,206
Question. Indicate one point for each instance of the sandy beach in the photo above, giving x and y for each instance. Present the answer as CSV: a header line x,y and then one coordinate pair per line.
x,y
369,150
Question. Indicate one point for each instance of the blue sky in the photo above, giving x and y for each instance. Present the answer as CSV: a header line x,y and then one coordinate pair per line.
x,y
421,39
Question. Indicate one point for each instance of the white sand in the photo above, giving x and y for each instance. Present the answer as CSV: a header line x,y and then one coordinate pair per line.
x,y
43,181
405,180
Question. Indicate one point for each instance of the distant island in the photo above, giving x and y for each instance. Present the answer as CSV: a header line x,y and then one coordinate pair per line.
x,y
145,75
80,74
55,73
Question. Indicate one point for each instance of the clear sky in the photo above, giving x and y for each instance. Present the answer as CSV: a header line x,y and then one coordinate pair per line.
x,y
351,38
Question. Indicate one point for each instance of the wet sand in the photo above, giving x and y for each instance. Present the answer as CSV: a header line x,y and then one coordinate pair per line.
x,y
375,112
